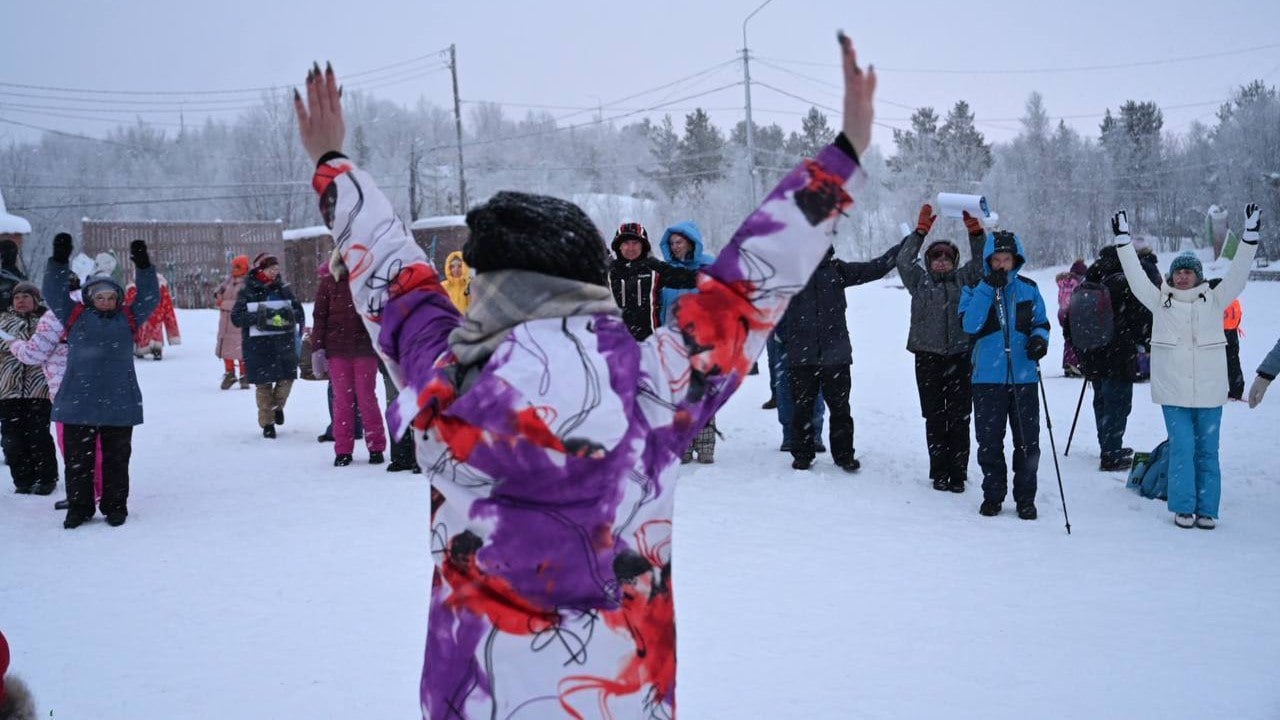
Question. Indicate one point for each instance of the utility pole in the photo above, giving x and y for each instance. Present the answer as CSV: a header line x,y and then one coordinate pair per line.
x,y
746,78
457,119
413,180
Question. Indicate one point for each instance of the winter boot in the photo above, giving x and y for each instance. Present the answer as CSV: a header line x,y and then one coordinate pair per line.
x,y
687,457
62,505
1027,511
397,466
324,437
117,518
1204,522
279,415
1184,520
942,484
228,379
852,465
770,404
244,382
376,458
801,464
989,508
22,489
1116,462
76,518
956,485
44,488
269,431
342,460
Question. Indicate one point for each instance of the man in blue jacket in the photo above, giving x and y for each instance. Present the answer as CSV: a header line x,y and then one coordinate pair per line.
x,y
1005,315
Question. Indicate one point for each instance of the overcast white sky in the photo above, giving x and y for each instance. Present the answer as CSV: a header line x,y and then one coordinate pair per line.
x,y
558,52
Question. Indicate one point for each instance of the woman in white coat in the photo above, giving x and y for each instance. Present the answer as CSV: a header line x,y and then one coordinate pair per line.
x,y
1189,364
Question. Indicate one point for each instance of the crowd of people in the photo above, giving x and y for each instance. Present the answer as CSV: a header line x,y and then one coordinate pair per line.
x,y
551,388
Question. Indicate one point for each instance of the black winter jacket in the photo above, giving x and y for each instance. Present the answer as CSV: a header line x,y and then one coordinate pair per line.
x,y
815,330
637,288
936,326
269,356
1119,359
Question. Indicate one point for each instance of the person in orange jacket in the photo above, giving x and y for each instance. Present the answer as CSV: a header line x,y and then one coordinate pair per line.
x,y
1231,327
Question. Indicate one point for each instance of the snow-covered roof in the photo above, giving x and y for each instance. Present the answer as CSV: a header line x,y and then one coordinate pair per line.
x,y
442,221
306,232
12,223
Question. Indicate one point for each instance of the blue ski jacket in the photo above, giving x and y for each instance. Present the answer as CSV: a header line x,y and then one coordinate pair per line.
x,y
1024,311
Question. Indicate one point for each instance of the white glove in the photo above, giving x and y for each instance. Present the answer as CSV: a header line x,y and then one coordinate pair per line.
x,y
1120,228
1257,390
1252,223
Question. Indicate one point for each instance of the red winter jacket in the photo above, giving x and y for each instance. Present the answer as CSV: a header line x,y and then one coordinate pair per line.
x,y
338,329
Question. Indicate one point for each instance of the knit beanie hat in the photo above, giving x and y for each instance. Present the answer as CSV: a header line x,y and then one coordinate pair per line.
x,y
538,233
264,260
240,266
1187,261
1078,267
29,288
631,231
942,247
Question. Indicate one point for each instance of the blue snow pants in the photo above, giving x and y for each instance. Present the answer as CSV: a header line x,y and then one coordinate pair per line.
x,y
1195,478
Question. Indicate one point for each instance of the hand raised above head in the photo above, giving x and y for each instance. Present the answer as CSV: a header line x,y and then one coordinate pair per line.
x,y
320,121
971,223
859,92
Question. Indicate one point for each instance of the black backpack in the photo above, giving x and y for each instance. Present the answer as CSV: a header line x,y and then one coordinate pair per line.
x,y
1092,317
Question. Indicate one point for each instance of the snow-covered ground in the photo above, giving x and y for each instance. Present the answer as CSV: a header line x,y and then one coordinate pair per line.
x,y
255,580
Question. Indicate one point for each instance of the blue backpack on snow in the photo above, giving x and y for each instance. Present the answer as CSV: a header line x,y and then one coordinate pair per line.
x,y
1149,475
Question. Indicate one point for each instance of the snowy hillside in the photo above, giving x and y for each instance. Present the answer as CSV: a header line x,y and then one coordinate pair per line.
x,y
255,580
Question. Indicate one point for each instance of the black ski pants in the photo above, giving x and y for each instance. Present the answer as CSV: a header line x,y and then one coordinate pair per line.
x,y
80,445
946,401
28,447
834,382
1017,407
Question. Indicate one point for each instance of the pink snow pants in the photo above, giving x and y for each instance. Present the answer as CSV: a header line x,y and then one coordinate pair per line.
x,y
353,382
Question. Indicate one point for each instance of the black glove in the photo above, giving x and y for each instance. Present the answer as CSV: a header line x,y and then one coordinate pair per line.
x,y
62,248
138,254
997,278
8,254
1037,347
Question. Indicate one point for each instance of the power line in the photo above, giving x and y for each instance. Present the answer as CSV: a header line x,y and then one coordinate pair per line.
x,y
814,103
1050,70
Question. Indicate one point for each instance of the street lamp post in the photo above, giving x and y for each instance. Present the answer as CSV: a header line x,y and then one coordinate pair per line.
x,y
746,77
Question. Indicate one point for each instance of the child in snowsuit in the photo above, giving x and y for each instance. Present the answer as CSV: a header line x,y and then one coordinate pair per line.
x,y
230,345
457,281
1067,283
24,400
164,321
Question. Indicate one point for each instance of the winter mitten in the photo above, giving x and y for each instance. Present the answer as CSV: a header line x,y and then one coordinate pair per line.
x,y
138,254
319,364
61,248
8,254
1120,228
1252,223
972,224
1037,347
925,222
1257,390
997,278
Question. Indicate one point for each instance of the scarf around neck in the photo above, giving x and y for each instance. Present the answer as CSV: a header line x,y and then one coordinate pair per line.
x,y
503,299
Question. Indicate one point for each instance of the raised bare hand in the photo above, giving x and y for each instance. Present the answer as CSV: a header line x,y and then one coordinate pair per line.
x,y
320,120
859,91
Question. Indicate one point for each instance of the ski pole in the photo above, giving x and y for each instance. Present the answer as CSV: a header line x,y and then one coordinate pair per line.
x,y
1075,419
1048,421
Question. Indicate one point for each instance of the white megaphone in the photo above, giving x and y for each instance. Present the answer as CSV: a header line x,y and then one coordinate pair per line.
x,y
955,204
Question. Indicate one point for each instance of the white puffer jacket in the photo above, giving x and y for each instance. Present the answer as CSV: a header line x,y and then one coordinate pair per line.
x,y
1188,346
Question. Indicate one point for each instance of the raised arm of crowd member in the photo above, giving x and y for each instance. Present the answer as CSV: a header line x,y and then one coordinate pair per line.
x,y
971,272
858,273
1267,372
908,269
674,276
535,416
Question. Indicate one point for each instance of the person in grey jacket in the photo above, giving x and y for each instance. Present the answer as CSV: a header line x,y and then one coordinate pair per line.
x,y
1267,372
99,397
940,344
820,358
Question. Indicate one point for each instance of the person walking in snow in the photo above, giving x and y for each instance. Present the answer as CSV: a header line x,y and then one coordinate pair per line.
x,y
10,272
637,279
341,349
163,322
820,357
1267,372
24,400
99,397
1112,367
457,281
269,318
681,247
1189,364
230,344
549,433
940,345
1067,283
1005,315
